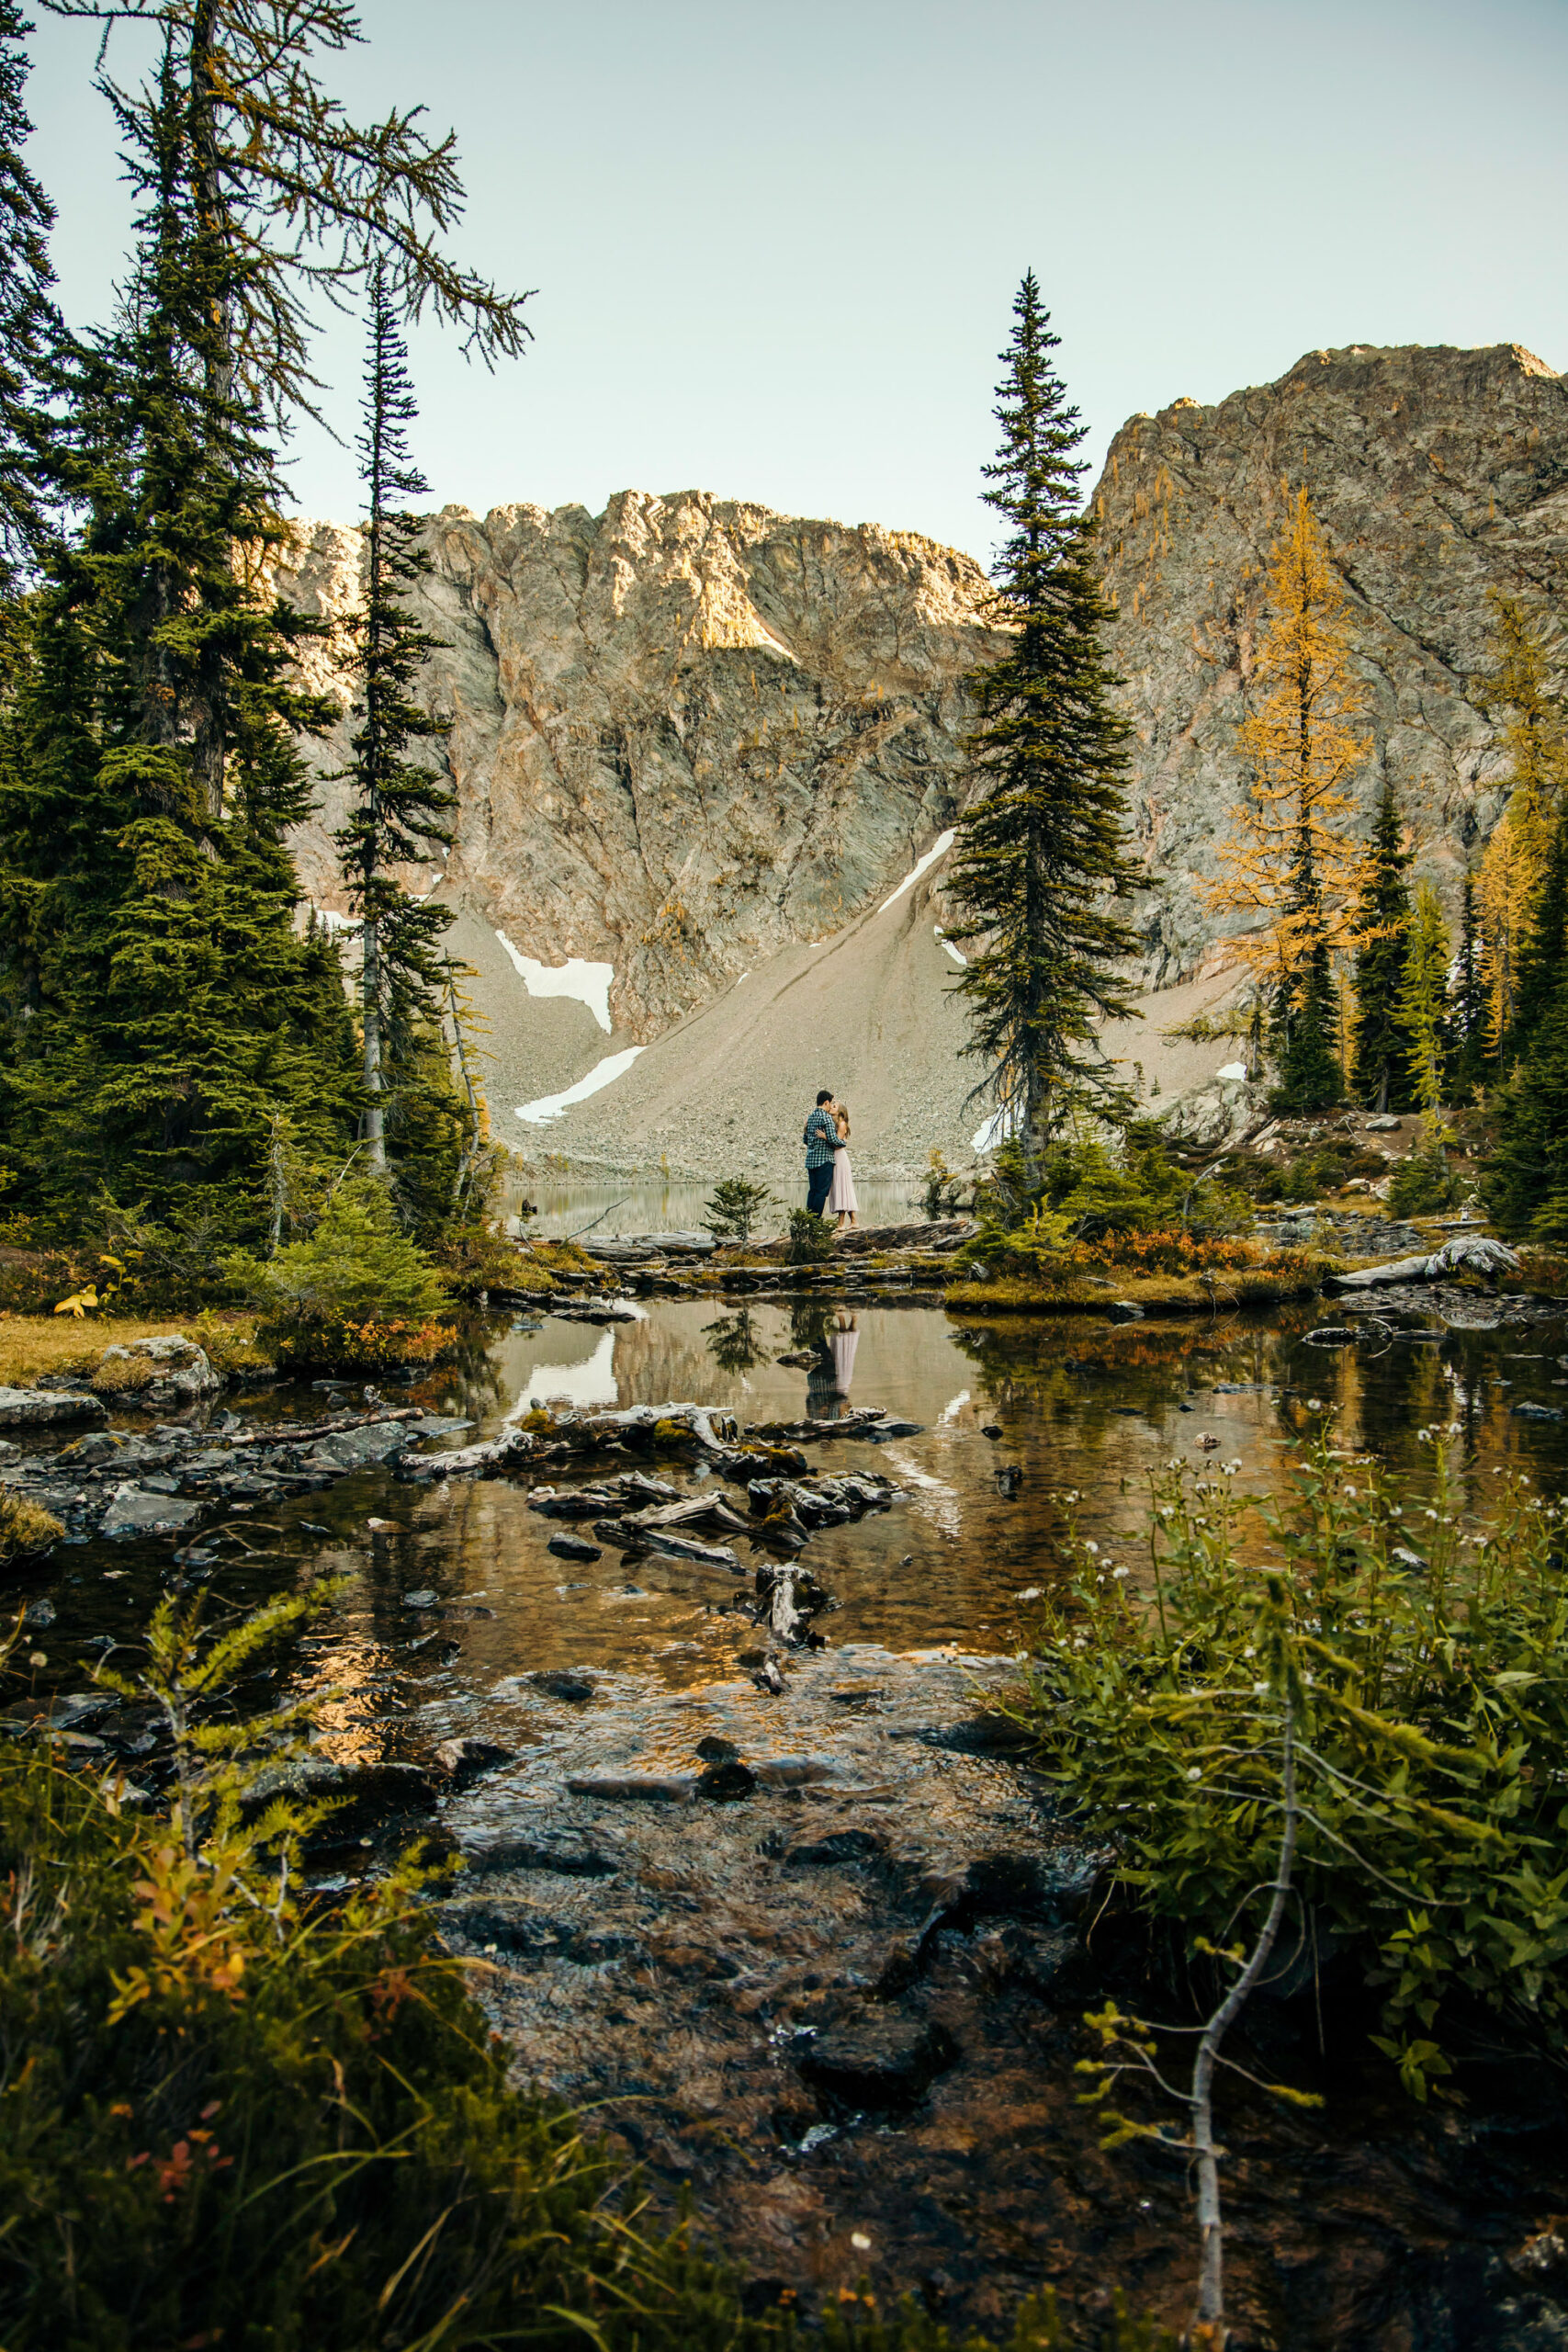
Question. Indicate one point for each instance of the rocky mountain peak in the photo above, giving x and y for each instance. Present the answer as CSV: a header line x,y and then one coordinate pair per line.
x,y
1436,475
688,732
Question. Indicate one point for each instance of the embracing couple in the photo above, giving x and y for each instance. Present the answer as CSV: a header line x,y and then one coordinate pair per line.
x,y
831,1186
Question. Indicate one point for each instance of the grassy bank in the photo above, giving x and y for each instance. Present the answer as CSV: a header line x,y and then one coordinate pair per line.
x,y
1296,1274
31,1344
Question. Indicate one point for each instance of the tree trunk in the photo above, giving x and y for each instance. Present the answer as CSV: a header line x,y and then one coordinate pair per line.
x,y
370,979
1210,2330
210,746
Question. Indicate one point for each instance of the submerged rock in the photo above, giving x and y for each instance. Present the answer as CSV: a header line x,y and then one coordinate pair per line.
x,y
166,1370
880,2060
135,1510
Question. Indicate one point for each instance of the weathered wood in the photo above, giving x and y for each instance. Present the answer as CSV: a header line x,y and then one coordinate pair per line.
x,y
1473,1254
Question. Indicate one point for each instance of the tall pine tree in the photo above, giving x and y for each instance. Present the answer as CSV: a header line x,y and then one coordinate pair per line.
x,y
168,1023
29,323
1468,1011
400,805
1424,1000
174,1007
1040,854
1381,918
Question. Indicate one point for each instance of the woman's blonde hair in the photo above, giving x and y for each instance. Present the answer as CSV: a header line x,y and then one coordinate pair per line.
x,y
842,1116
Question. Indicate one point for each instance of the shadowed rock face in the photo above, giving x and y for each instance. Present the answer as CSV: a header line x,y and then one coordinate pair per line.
x,y
687,733
1434,475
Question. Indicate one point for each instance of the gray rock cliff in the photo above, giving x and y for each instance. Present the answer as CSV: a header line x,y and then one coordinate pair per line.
x,y
687,734
1436,475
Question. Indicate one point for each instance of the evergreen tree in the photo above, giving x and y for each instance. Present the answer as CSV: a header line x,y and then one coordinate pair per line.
x,y
400,805
29,323
1310,1076
1041,851
1468,1013
1292,866
172,1005
1381,922
299,196
1424,1000
1526,1177
166,1024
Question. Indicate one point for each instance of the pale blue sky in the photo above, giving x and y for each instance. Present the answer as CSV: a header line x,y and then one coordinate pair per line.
x,y
776,245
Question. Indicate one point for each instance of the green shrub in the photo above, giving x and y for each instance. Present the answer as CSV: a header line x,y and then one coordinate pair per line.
x,y
1087,1194
736,1205
1425,1182
358,1293
1431,1668
942,1192
811,1237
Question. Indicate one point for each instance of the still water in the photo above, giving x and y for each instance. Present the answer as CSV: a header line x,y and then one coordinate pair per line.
x,y
665,1989
1079,1404
651,1205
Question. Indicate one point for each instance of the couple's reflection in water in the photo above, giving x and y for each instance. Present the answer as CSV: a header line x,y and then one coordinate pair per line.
x,y
827,1382
826,1337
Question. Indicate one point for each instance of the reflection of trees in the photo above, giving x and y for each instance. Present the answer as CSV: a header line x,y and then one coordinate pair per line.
x,y
808,1321
733,1341
1090,1374
479,1375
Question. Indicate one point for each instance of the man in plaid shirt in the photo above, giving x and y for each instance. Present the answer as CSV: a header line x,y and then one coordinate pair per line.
x,y
821,1141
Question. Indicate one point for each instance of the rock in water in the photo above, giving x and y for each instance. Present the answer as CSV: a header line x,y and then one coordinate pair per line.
x,y
881,2061
159,1374
26,1409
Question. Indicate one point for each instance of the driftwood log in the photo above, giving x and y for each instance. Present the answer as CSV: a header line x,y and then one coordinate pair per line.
x,y
1471,1254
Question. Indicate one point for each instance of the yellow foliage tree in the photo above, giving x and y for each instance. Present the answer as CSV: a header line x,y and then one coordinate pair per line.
x,y
1292,862
1506,887
1514,858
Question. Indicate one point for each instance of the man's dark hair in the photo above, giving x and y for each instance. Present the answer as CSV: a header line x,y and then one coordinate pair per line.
x,y
826,1096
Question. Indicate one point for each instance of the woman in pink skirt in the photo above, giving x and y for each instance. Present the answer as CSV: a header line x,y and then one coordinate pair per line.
x,y
841,1199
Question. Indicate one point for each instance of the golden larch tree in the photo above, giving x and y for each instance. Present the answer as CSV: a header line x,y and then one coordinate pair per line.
x,y
1292,862
1513,862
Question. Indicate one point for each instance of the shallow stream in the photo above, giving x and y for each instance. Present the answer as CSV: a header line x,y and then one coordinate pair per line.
x,y
844,2010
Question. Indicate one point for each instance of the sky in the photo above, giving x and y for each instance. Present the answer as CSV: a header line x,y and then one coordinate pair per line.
x,y
774,246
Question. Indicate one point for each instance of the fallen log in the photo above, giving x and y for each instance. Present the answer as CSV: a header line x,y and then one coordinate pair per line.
x,y
1466,1254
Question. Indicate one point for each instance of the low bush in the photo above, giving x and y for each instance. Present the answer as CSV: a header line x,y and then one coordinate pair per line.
x,y
1163,1251
1427,1668
1092,1207
25,1528
941,1191
811,1237
357,1295
735,1206
1425,1182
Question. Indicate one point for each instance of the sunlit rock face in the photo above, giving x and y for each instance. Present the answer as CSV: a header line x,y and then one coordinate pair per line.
x,y
687,733
1436,475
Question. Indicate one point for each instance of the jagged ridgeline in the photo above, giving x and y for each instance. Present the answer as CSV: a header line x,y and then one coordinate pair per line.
x,y
694,740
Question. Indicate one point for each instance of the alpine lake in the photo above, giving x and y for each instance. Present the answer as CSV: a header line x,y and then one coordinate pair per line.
x,y
819,1955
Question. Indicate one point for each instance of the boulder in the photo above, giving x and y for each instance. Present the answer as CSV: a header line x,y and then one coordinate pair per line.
x,y
166,1371
880,2060
27,1408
